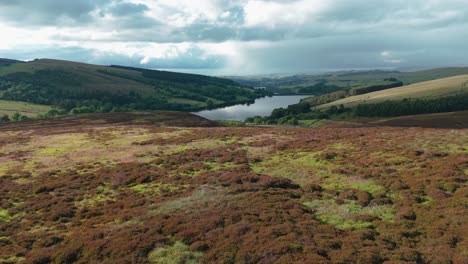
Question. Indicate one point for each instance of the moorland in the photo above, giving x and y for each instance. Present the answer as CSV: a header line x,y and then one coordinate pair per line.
x,y
167,187
381,179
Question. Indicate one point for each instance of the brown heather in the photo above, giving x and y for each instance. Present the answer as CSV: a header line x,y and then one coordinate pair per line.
x,y
106,189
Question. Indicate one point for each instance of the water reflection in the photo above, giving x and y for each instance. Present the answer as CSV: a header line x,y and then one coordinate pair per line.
x,y
261,107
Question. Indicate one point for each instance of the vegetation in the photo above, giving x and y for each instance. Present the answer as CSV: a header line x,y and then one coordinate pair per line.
x,y
178,253
318,84
294,114
9,108
439,96
425,90
81,88
414,106
441,120
135,188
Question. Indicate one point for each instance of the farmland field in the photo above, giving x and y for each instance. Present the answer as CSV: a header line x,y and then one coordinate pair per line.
x,y
139,188
27,109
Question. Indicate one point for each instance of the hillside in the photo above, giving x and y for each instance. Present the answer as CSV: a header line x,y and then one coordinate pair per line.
x,y
91,88
28,109
442,120
105,189
424,90
318,84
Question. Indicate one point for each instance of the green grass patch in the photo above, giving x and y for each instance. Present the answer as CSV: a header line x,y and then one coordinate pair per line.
x,y
300,167
341,215
201,198
5,216
312,123
179,253
105,194
28,109
342,146
339,182
156,188
230,123
209,166
12,259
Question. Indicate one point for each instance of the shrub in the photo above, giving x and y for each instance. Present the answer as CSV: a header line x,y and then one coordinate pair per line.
x,y
175,254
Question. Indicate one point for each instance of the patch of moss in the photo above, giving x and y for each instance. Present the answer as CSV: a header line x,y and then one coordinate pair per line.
x,y
203,197
5,216
156,188
298,167
341,215
105,194
209,166
426,200
342,146
12,259
179,253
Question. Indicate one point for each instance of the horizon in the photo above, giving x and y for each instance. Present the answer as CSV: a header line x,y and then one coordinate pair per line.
x,y
265,75
240,37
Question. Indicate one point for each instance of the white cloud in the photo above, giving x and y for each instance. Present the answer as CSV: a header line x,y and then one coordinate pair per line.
x,y
276,13
240,36
389,57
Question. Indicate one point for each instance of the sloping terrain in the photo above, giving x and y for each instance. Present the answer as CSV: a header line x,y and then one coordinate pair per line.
x,y
317,84
440,120
99,190
11,107
424,90
93,88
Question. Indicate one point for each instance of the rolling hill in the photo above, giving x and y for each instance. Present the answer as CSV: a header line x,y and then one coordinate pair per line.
x,y
424,90
92,88
318,84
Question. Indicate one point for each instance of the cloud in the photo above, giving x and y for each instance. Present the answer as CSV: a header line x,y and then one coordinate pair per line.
x,y
239,36
127,9
49,12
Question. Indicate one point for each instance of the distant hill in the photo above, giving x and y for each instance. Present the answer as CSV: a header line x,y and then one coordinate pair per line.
x,y
319,84
424,90
85,88
4,62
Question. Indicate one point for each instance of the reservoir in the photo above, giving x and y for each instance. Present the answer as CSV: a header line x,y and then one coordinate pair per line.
x,y
261,107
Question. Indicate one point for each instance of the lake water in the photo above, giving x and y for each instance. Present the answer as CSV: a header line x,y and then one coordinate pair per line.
x,y
261,107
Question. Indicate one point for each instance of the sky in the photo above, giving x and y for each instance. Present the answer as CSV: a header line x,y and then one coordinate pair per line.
x,y
239,37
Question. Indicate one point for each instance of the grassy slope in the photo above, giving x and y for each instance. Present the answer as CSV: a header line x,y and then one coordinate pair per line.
x,y
442,120
104,188
351,79
91,78
27,109
87,78
430,89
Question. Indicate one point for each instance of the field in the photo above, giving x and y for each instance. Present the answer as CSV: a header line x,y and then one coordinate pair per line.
x,y
11,107
145,188
424,90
